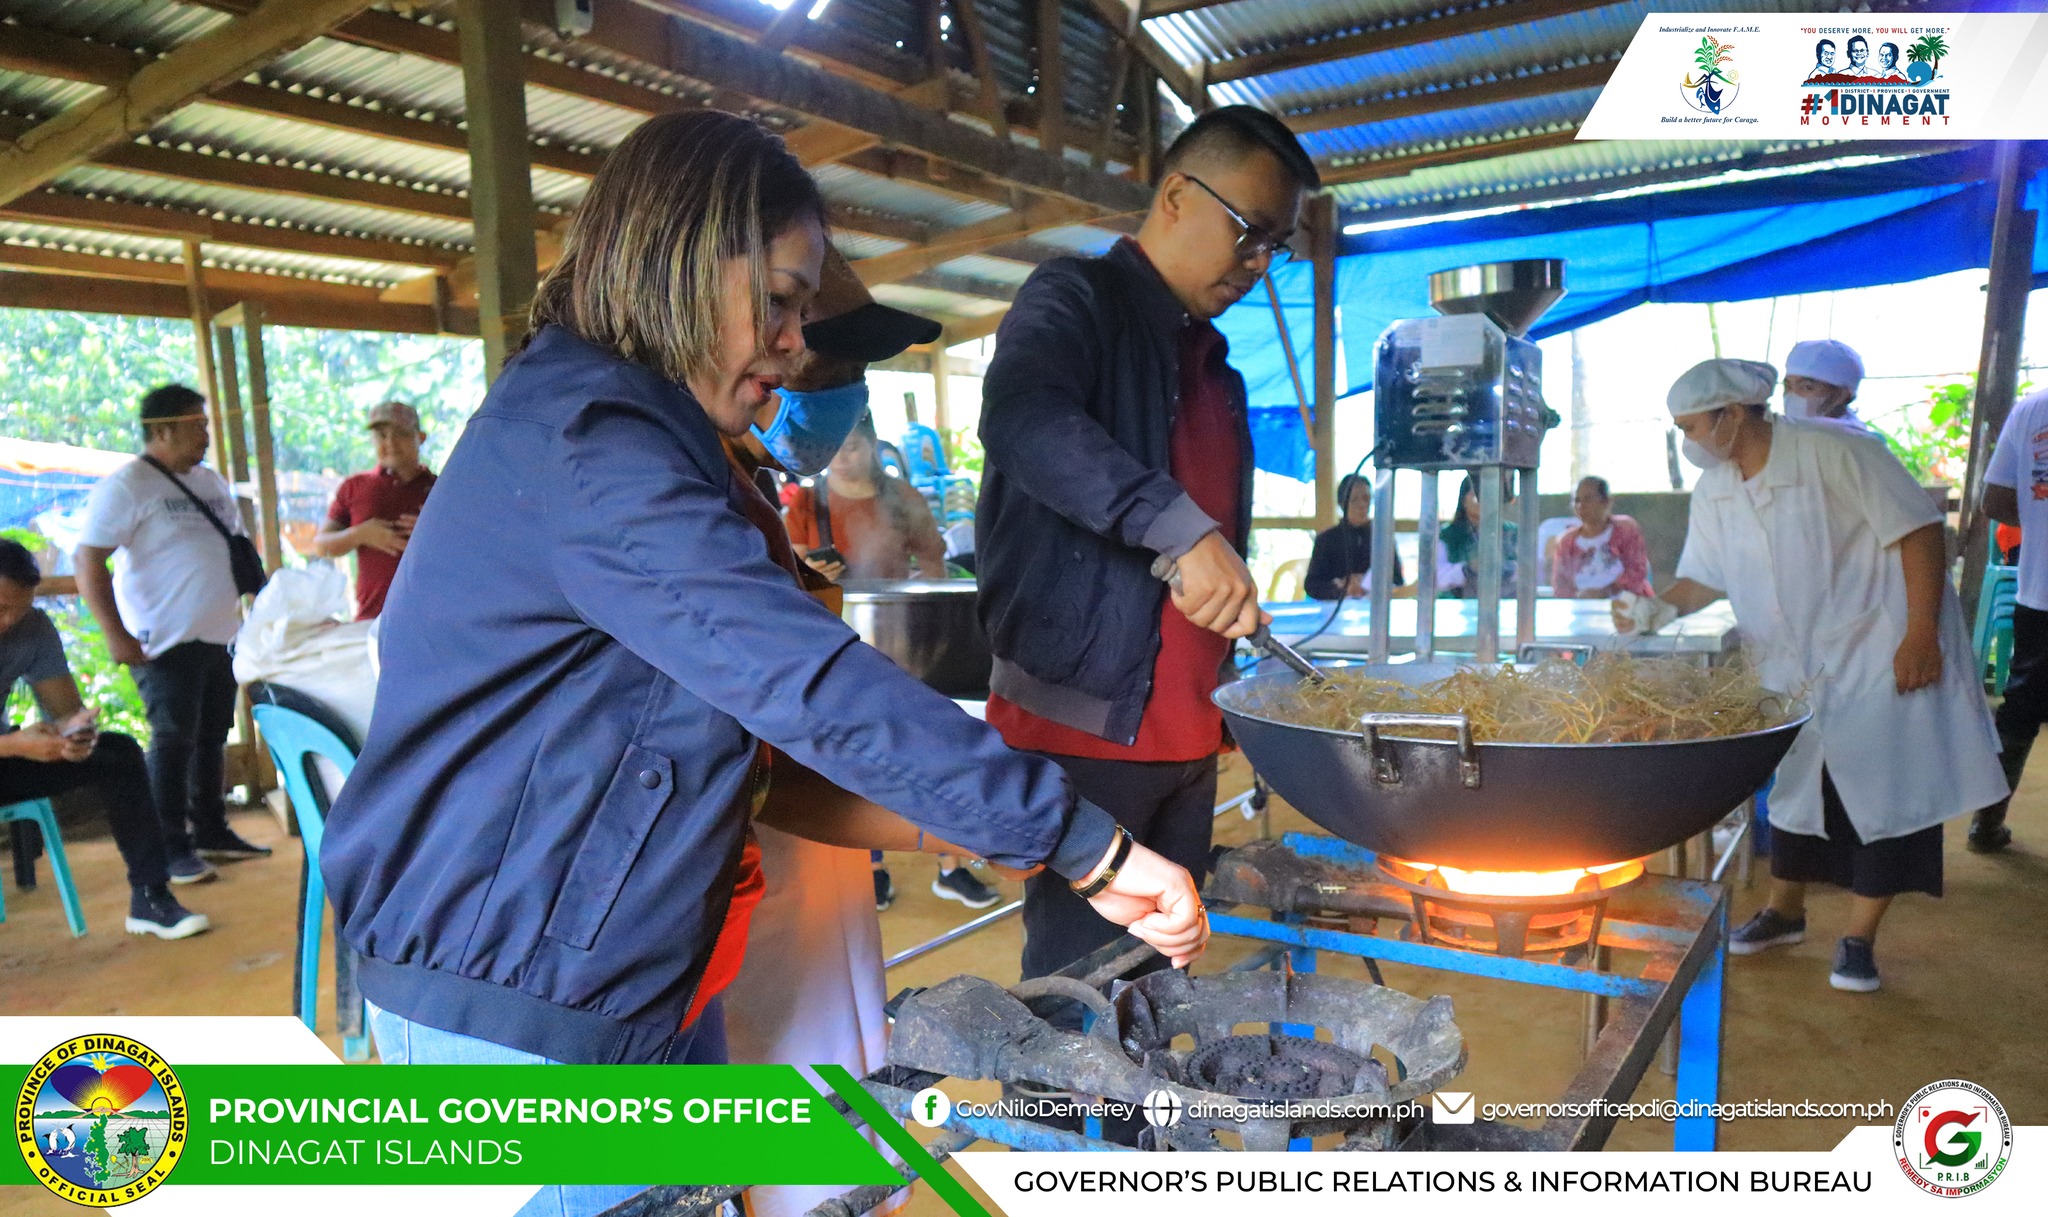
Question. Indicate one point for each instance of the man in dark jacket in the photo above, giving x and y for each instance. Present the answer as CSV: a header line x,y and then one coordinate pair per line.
x,y
1116,437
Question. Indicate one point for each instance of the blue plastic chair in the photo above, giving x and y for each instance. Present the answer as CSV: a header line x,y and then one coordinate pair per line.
x,y
43,816
1991,640
294,739
924,458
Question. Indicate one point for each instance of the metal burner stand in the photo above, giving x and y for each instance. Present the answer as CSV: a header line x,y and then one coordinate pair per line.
x,y
1682,925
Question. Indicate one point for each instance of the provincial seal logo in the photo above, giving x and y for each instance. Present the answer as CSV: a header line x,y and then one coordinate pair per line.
x,y
101,1120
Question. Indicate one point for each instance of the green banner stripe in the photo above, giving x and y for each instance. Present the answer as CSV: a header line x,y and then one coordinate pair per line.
x,y
882,1121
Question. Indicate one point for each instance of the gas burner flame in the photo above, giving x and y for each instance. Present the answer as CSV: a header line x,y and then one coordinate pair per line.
x,y
1527,883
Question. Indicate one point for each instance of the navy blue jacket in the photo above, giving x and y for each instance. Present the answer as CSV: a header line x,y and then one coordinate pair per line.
x,y
1077,497
580,653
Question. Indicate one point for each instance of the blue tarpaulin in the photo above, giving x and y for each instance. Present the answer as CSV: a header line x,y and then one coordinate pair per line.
x,y
1823,231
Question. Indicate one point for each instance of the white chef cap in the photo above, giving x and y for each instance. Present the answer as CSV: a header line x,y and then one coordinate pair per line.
x,y
1828,361
1714,383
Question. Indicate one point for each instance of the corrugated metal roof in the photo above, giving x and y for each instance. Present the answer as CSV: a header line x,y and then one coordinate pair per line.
x,y
309,146
346,74
1428,132
1595,165
865,190
149,24
231,203
170,251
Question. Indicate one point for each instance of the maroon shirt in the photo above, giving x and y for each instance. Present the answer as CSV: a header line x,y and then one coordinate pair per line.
x,y
1180,722
376,495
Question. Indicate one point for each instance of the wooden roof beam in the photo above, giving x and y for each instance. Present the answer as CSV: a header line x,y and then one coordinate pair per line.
x,y
285,304
1468,19
125,111
972,239
44,53
109,215
1452,97
1167,8
1121,16
144,270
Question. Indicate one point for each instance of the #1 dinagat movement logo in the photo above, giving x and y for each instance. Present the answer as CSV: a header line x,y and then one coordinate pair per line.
x,y
1952,1138
101,1120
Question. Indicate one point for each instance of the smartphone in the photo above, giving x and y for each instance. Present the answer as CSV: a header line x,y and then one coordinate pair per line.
x,y
826,555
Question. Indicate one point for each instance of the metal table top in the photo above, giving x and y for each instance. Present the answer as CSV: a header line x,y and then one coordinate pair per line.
x,y
1710,632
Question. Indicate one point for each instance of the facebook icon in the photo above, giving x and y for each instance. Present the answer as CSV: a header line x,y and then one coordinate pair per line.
x,y
930,1107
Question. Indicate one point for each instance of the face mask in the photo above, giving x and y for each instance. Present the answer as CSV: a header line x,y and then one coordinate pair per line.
x,y
1701,455
1797,406
810,427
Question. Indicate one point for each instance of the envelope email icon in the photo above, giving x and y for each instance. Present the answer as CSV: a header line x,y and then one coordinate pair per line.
x,y
1452,1107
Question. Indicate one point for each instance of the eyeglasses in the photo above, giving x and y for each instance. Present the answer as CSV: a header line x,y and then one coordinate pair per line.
x,y
1252,240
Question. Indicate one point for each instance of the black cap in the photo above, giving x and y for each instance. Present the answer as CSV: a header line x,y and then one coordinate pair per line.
x,y
870,333
853,325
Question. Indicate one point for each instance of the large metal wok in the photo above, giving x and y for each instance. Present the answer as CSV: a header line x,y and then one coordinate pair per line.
x,y
1499,807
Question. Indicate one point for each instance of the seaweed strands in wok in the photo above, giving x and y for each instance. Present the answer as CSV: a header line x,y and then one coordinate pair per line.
x,y
1614,699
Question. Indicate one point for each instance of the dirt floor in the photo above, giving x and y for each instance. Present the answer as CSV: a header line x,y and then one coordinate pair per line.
x,y
1965,982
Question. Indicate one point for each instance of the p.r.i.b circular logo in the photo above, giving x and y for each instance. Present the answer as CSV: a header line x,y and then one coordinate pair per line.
x,y
101,1120
1952,1138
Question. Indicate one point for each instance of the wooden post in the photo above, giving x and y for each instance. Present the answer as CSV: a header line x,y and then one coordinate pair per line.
x,y
1052,81
234,452
1998,364
1322,233
259,425
942,393
1581,421
1149,150
202,335
501,185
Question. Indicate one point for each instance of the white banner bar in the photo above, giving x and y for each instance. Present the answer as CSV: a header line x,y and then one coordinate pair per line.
x,y
1819,76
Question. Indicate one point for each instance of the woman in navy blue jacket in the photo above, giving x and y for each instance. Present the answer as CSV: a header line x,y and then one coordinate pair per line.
x,y
591,649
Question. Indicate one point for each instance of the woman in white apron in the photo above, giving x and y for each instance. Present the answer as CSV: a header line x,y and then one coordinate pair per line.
x,y
1834,562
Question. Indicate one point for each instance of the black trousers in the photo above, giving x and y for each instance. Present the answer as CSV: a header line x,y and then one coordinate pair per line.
x,y
2026,696
116,770
1169,806
189,692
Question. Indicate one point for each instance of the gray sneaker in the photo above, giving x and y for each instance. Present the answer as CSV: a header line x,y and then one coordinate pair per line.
x,y
1769,928
191,869
1855,966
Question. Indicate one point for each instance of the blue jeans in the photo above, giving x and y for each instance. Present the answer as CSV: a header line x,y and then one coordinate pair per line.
x,y
401,1041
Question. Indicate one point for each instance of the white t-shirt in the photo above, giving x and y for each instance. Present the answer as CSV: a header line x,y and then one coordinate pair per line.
x,y
172,579
2021,462
1598,567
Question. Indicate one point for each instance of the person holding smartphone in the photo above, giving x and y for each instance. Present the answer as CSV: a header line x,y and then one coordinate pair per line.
x,y
65,751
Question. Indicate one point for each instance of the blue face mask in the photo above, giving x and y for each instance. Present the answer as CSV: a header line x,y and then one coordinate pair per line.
x,y
810,427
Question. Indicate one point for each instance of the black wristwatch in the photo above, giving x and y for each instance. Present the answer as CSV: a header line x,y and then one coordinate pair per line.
x,y
1095,886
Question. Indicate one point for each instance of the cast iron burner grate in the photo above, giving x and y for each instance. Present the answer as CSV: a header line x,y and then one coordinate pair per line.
x,y
1507,925
1179,1033
1276,1067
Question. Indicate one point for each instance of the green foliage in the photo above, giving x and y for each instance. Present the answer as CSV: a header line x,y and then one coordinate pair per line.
x,y
101,681
97,1154
963,448
1937,449
1932,440
75,378
1711,54
1928,49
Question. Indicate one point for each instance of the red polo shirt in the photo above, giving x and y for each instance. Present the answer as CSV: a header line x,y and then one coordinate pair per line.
x,y
1180,722
376,495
